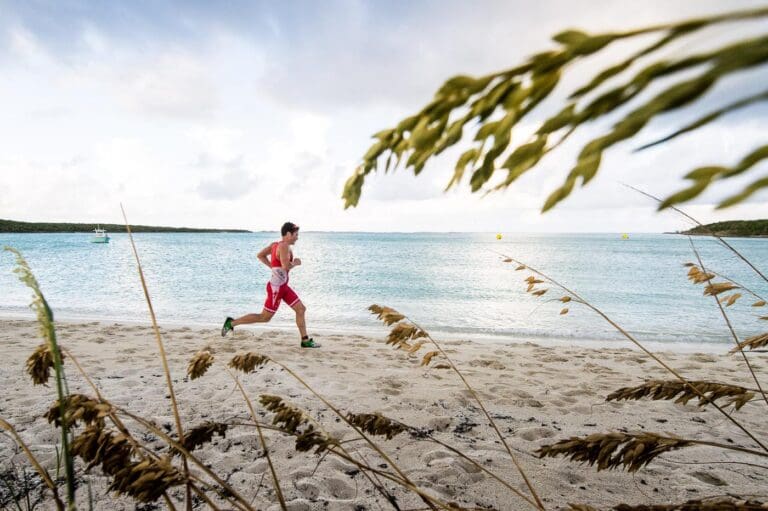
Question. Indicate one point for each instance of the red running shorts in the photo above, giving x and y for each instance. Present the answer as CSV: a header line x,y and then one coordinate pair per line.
x,y
275,296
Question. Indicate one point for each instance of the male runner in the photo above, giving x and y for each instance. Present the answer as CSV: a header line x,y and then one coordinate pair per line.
x,y
281,261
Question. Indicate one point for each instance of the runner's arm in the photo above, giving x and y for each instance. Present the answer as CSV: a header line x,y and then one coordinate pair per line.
x,y
262,255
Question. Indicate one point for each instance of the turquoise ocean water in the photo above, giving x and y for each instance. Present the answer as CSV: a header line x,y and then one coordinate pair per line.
x,y
452,284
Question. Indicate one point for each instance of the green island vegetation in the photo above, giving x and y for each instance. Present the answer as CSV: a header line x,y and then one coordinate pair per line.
x,y
27,227
733,228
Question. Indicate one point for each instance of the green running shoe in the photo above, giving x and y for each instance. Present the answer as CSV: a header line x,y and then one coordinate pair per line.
x,y
227,326
309,343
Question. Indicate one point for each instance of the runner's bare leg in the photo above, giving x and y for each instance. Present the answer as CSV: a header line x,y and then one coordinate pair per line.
x,y
263,317
300,309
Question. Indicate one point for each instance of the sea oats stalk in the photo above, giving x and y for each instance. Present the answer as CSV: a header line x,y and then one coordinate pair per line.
x,y
240,502
249,362
715,504
161,349
429,501
682,393
700,275
730,326
708,231
754,342
387,315
48,332
273,472
575,297
138,448
625,450
381,425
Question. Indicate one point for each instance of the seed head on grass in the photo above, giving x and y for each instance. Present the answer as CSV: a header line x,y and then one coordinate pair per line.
x,y
78,407
416,347
376,424
40,363
199,363
669,389
289,417
614,450
730,299
403,332
312,438
697,276
146,480
96,445
201,435
716,288
297,422
386,314
428,357
759,303
248,362
752,343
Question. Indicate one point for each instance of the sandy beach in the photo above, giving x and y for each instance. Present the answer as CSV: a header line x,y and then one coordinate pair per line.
x,y
536,394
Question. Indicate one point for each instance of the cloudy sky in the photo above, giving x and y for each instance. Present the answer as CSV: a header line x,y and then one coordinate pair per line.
x,y
247,114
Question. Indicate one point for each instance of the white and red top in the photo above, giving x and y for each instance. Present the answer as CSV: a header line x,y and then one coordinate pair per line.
x,y
279,275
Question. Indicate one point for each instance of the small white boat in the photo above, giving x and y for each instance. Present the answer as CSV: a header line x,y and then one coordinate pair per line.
x,y
99,236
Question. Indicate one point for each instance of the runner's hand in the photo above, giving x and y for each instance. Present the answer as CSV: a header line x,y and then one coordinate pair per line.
x,y
296,261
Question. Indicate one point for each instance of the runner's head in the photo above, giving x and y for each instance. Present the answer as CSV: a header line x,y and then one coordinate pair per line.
x,y
290,232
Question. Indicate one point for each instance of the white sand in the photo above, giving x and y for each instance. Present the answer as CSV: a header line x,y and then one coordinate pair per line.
x,y
536,394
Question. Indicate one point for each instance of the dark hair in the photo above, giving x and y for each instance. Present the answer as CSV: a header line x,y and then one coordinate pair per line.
x,y
288,227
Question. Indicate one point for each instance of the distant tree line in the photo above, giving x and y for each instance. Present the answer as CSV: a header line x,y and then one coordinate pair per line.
x,y
732,228
13,226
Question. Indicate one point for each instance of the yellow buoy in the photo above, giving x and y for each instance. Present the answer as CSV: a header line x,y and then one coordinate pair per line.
x,y
498,236
625,236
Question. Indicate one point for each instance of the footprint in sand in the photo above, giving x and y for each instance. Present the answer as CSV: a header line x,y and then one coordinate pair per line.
x,y
439,423
532,434
307,489
554,358
521,393
484,362
708,478
340,489
295,505
438,455
574,477
391,386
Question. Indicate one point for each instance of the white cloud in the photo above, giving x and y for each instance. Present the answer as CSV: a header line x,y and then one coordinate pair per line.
x,y
167,122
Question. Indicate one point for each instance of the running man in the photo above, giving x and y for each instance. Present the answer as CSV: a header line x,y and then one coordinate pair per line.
x,y
280,262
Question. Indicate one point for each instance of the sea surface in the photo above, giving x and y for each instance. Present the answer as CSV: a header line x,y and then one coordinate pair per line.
x,y
456,285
